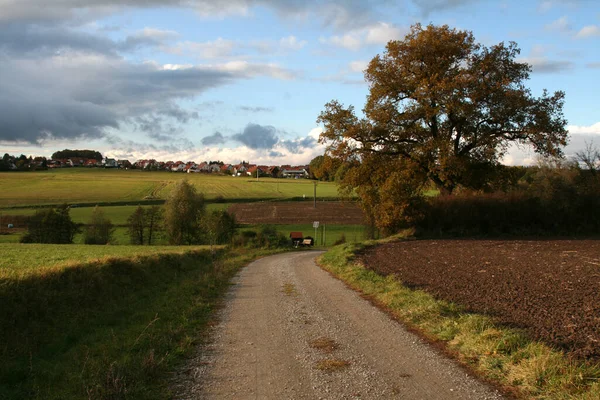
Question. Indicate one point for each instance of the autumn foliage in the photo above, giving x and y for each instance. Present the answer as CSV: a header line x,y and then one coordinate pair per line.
x,y
442,109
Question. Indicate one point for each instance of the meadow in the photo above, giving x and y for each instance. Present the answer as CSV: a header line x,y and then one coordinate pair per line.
x,y
129,187
20,259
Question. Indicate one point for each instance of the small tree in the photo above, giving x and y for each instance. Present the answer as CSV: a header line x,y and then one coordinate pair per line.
x,y
100,229
219,227
153,216
143,223
136,224
183,213
53,225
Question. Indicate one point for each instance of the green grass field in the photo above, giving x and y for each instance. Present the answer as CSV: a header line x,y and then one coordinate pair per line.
x,y
24,258
117,214
89,186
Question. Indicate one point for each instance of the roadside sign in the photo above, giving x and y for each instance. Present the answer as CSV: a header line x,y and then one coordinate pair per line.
x,y
316,224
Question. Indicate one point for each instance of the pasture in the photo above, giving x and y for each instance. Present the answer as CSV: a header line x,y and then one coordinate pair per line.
x,y
129,187
22,259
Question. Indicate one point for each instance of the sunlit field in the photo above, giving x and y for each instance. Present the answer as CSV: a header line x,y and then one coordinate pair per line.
x,y
88,186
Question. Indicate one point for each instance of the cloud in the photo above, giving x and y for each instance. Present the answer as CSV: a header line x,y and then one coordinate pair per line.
x,y
256,109
578,137
358,66
588,31
224,48
593,65
546,66
257,136
214,139
429,6
560,25
375,34
39,97
588,130
339,14
298,146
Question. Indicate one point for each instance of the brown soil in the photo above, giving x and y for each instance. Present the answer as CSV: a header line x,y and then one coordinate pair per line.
x,y
549,288
304,212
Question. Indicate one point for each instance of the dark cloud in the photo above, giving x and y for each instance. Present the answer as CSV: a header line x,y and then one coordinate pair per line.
x,y
214,139
337,13
257,136
543,65
35,118
256,109
132,147
275,154
297,146
40,98
430,6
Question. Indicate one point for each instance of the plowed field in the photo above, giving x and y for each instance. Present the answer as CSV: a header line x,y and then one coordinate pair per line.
x,y
549,288
330,212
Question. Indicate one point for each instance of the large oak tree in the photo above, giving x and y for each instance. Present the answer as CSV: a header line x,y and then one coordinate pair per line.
x,y
442,107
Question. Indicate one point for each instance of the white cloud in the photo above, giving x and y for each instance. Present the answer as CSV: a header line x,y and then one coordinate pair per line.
x,y
291,43
578,129
588,31
159,34
560,25
358,66
225,48
381,33
578,137
315,132
374,34
349,41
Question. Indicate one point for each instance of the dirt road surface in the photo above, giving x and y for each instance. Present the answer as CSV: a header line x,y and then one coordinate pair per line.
x,y
291,331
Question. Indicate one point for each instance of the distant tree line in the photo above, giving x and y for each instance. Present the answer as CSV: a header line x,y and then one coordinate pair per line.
x,y
65,154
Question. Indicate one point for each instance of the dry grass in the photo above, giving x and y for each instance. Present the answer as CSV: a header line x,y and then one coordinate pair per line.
x,y
332,365
289,289
324,345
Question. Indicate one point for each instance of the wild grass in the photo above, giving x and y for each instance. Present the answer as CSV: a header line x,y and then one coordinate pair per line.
x,y
112,328
90,186
332,365
501,354
324,345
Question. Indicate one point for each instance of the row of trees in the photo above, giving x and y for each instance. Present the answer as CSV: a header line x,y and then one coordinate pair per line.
x,y
183,220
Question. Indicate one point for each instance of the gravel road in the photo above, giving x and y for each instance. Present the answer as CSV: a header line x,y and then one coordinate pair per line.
x,y
291,331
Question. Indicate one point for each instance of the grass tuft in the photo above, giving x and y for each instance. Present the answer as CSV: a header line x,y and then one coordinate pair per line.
x,y
332,365
323,344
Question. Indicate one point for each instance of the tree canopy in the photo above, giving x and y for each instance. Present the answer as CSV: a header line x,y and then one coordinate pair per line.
x,y
66,153
443,107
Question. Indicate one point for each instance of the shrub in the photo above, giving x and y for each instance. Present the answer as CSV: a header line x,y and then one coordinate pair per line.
x,y
99,230
341,240
53,225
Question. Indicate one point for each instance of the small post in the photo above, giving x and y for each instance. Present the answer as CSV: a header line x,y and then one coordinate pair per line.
x,y
324,237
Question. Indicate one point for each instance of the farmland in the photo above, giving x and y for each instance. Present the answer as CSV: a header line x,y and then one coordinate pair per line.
x,y
549,288
92,186
298,212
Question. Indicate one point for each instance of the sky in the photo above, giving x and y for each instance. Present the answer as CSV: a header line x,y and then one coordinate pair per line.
x,y
200,80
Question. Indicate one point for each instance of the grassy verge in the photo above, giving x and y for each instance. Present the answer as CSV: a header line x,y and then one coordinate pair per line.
x,y
111,328
503,355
